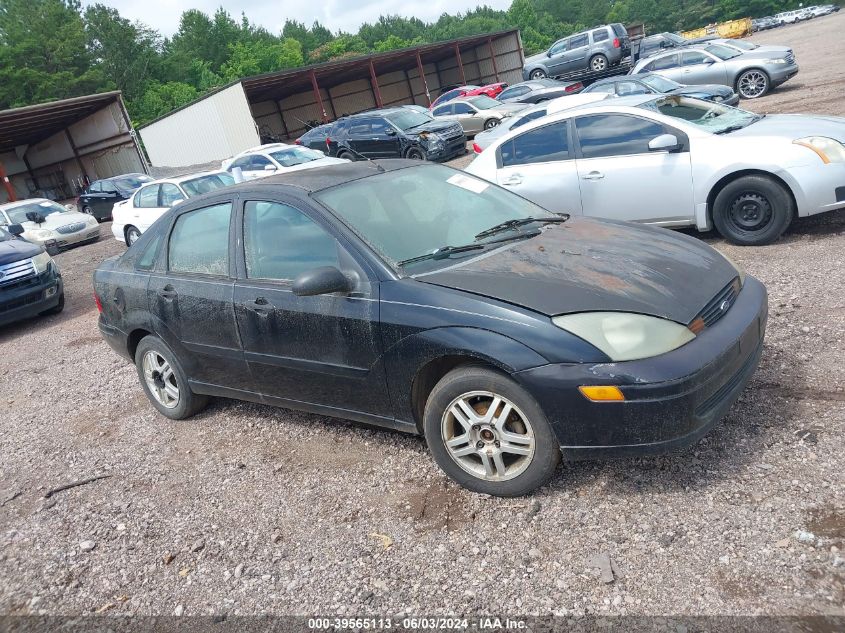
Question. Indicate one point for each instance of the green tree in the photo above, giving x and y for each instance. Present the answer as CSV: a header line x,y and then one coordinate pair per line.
x,y
253,58
160,99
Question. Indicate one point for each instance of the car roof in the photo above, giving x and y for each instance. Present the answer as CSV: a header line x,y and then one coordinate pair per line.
x,y
184,177
376,112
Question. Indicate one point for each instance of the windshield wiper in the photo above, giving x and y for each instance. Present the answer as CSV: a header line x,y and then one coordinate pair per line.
x,y
508,225
731,128
445,252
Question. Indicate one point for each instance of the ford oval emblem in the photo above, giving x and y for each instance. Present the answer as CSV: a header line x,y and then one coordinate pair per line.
x,y
725,305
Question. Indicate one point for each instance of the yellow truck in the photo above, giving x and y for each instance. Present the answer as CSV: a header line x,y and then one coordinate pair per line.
x,y
734,28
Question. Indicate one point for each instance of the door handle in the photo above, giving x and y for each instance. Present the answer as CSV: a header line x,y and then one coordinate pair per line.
x,y
515,179
260,306
593,175
168,292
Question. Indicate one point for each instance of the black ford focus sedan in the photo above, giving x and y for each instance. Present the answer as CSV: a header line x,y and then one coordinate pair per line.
x,y
423,299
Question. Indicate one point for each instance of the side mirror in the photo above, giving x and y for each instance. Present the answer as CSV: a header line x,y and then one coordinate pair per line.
x,y
34,216
391,132
664,143
269,168
321,281
15,229
175,202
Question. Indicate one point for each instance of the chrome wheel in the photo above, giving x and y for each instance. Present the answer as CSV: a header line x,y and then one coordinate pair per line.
x,y
488,436
132,235
598,63
490,124
753,84
160,379
538,74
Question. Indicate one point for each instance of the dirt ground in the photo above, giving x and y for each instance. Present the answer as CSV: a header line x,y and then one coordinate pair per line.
x,y
246,509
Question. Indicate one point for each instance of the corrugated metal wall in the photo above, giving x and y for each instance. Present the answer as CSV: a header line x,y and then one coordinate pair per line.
x,y
103,142
211,129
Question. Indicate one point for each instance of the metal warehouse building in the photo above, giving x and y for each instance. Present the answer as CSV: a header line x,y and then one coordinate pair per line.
x,y
53,149
235,117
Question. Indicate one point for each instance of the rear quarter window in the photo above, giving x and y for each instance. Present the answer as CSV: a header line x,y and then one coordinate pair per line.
x,y
600,35
619,30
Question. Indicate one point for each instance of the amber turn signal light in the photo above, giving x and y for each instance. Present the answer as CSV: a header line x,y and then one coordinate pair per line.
x,y
602,393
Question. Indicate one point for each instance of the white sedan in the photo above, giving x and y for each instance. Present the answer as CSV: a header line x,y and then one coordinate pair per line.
x,y
49,224
135,215
277,158
676,162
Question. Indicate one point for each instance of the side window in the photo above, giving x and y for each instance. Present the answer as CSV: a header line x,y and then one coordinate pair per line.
x,y
108,187
603,135
690,58
452,94
96,187
148,258
603,89
259,162
558,47
170,194
517,91
360,128
281,242
625,88
444,109
147,198
242,162
578,41
600,35
380,127
529,117
463,108
662,63
199,242
541,145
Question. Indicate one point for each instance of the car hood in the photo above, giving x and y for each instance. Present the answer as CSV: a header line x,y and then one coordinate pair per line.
x,y
794,126
16,250
539,57
55,220
508,108
436,125
714,89
587,265
759,53
320,162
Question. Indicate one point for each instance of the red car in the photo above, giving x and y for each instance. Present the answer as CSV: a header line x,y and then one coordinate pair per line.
x,y
491,90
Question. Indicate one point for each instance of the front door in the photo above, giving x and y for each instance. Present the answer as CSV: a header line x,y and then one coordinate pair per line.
x,y
575,57
540,165
191,299
622,180
700,68
470,119
318,350
384,139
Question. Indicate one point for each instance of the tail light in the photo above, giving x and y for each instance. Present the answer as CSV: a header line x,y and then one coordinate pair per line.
x,y
616,43
573,87
97,303
298,142
476,148
328,142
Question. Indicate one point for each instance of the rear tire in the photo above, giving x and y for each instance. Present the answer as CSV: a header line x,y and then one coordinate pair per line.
x,y
598,63
346,155
753,210
506,454
164,381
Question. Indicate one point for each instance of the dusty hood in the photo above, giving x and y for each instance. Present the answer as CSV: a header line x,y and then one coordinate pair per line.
x,y
55,220
588,265
15,250
724,91
794,126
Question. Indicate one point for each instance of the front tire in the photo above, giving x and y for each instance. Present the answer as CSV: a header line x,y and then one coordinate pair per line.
x,y
753,210
538,73
489,124
56,309
752,84
598,63
346,155
488,434
415,153
164,381
132,234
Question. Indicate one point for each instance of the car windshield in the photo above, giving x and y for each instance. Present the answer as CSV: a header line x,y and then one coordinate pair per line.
x,y
746,46
130,183
206,184
484,102
293,156
661,84
408,119
713,117
415,211
18,214
723,52
5,235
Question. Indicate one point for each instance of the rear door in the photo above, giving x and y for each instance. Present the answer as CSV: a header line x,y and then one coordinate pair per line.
x,y
577,52
540,165
385,139
360,138
622,180
470,119
697,67
107,198
322,350
191,299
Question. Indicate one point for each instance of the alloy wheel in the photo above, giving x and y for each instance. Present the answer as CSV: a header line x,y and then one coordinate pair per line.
x,y
487,436
750,212
490,124
538,74
599,63
160,379
753,83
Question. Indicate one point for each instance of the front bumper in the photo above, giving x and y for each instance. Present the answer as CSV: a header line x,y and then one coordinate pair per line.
x,y
28,298
450,150
781,73
732,100
59,240
671,400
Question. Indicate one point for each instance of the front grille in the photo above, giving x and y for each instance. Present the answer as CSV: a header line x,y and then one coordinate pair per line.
x,y
790,58
719,305
32,297
16,271
453,134
70,228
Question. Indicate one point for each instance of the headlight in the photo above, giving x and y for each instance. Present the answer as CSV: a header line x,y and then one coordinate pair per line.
x,y
779,60
626,336
829,150
39,234
434,141
41,262
91,220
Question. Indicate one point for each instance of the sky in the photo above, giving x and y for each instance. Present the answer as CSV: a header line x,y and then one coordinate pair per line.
x,y
348,15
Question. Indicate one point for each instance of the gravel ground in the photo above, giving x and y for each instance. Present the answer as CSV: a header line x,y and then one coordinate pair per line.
x,y
247,509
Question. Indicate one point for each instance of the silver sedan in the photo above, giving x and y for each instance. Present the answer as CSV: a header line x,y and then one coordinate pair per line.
x,y
752,74
476,113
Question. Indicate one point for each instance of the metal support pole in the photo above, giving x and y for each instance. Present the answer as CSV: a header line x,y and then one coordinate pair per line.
x,y
374,85
10,190
318,97
30,172
144,163
76,155
422,77
493,57
460,64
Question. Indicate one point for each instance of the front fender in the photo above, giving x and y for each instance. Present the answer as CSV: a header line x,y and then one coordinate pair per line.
x,y
407,357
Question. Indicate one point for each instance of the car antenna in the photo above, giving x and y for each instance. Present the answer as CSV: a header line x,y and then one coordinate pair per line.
x,y
367,158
